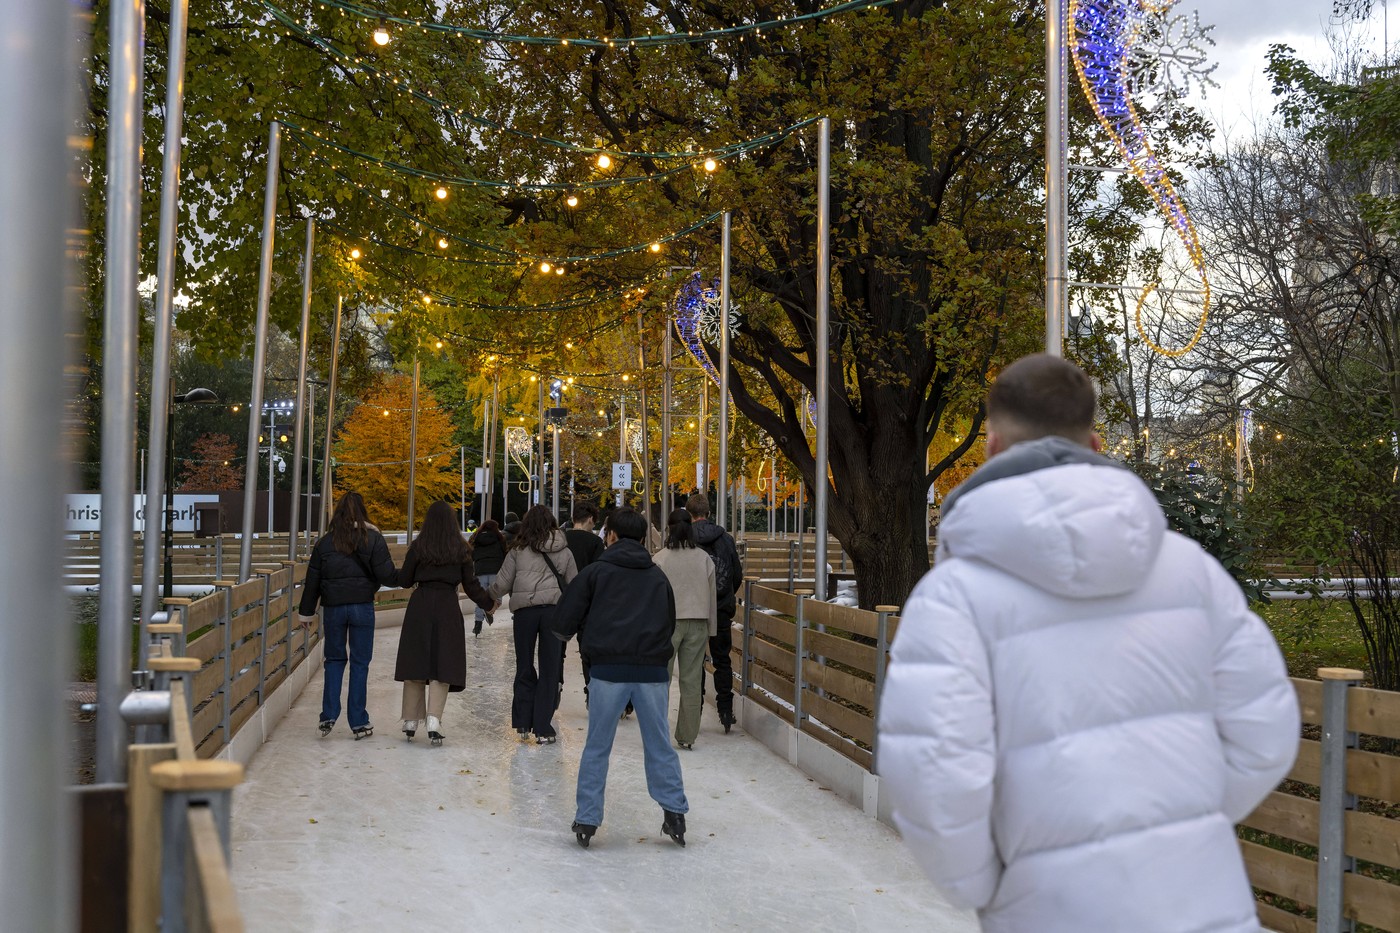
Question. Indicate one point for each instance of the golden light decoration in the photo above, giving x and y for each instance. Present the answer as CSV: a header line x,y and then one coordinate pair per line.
x,y
438,345
546,268
381,34
655,247
427,299
604,161
355,253
711,165
442,242
441,193
572,200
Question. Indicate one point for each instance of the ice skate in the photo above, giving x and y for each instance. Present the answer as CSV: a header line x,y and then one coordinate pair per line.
x,y
363,732
434,731
476,629
583,832
544,740
410,727
673,825
326,726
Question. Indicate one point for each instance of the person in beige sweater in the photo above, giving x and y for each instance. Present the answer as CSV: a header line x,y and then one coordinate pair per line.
x,y
691,573
534,574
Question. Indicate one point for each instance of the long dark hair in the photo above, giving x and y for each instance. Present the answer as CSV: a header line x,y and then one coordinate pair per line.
x,y
679,532
488,525
536,529
350,524
439,541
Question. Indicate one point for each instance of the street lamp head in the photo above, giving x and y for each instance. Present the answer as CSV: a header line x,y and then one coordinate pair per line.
x,y
197,397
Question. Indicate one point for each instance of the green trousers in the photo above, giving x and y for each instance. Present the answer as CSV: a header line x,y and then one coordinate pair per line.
x,y
691,638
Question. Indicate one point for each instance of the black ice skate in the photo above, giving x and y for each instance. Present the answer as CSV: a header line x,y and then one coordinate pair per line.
x,y
673,825
326,726
410,728
363,732
583,832
434,731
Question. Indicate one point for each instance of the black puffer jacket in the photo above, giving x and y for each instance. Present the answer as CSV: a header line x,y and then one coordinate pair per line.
x,y
621,607
338,579
488,551
720,546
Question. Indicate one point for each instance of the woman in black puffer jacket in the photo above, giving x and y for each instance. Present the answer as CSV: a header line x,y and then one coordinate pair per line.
x,y
488,545
348,566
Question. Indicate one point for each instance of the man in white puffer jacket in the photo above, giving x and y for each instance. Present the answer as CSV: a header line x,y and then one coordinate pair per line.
x,y
1079,705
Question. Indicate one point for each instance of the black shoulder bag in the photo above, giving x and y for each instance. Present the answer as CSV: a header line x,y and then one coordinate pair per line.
x,y
558,577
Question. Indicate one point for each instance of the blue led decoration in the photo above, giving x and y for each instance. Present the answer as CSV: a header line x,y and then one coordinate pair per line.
x,y
1107,40
695,301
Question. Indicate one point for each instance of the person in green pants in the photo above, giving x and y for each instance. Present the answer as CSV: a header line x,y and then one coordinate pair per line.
x,y
691,574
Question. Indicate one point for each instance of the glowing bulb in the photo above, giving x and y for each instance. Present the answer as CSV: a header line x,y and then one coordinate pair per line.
x,y
600,413
572,200
282,438
656,247
532,379
604,161
690,424
235,408
546,268
558,270
354,254
570,380
1278,437
442,242
441,193
624,377
427,299
569,345
386,413
438,345
711,165
381,34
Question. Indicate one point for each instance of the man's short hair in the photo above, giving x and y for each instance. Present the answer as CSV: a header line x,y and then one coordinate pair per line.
x,y
627,522
698,505
1042,395
585,511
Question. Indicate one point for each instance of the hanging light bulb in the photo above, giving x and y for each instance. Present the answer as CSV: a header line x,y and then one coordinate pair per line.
x,y
381,34
604,161
386,413
546,268
355,253
438,345
624,377
427,299
572,200
442,242
441,193
711,165
656,247
558,270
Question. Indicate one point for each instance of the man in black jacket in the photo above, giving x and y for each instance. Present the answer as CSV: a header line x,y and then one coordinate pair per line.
x,y
586,547
624,613
720,546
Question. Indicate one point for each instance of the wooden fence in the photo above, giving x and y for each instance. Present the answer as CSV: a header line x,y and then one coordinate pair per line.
x,y
1325,844
193,560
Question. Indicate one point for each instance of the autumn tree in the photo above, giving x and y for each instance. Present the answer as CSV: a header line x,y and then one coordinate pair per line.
x,y
214,464
372,453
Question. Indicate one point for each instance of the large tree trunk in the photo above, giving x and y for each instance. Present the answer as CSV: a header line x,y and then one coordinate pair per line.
x,y
885,533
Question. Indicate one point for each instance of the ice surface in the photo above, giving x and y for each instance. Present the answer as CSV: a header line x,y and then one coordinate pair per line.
x,y
383,834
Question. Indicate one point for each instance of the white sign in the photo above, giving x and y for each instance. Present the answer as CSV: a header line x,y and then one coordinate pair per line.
x,y
700,477
83,511
622,476
482,481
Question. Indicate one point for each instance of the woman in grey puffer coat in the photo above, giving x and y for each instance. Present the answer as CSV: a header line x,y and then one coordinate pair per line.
x,y
534,574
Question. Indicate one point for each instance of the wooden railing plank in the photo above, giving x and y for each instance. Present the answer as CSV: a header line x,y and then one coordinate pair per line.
x,y
847,686
1374,712
774,684
1280,873
777,600
1281,921
842,650
1370,900
838,717
774,627
1373,838
1309,699
1288,816
220,913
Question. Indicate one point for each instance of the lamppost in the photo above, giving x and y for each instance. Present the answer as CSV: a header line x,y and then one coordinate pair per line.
x,y
554,417
272,409
192,397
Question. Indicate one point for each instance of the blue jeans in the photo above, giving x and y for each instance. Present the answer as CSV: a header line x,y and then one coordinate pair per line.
x,y
352,624
606,701
486,579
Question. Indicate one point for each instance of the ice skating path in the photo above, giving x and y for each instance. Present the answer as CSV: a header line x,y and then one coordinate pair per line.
x,y
383,834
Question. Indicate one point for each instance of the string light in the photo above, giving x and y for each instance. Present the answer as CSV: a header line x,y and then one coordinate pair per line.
x,y
545,268
441,193
604,161
442,242
355,253
381,34
655,247
572,200
711,165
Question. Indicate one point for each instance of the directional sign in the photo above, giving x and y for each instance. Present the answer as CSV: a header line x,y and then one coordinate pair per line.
x,y
481,479
622,476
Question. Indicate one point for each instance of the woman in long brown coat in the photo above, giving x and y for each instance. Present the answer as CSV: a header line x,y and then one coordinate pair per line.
x,y
433,641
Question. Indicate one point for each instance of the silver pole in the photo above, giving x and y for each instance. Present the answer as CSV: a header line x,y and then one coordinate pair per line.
x,y
413,447
271,469
154,481
721,484
642,422
330,420
554,489
37,877
485,491
122,267
540,461
823,344
250,482
666,423
1056,178
491,463
301,388
621,439
463,495
703,445
310,456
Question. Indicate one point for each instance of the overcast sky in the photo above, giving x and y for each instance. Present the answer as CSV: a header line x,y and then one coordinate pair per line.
x,y
1244,30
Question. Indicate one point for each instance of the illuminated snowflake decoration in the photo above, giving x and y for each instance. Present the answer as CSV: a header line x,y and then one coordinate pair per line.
x,y
1170,55
518,445
634,439
697,311
708,316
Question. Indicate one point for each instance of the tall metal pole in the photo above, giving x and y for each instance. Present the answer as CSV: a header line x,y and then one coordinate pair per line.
x,y
1056,175
722,483
118,382
823,360
554,487
310,455
413,447
37,876
483,490
463,498
165,299
666,423
269,230
271,469
621,439
646,448
301,389
539,437
703,445
326,480
491,461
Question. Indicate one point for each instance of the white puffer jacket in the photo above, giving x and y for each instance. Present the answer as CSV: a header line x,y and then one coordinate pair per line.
x,y
1079,708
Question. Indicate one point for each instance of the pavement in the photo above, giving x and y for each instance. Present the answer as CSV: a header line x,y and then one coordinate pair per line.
x,y
385,834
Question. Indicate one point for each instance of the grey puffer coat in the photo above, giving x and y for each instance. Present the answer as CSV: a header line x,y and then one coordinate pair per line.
x,y
526,577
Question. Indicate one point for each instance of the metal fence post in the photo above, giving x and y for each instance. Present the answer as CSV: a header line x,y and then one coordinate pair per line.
x,y
798,651
262,634
794,557
218,557
291,615
1333,863
186,784
882,649
225,588
747,659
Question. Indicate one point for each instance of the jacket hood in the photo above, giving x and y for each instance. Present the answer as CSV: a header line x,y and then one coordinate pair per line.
x,y
707,531
627,553
556,543
1069,522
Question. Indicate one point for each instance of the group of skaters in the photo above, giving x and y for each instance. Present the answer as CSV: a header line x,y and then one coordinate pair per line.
x,y
645,606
